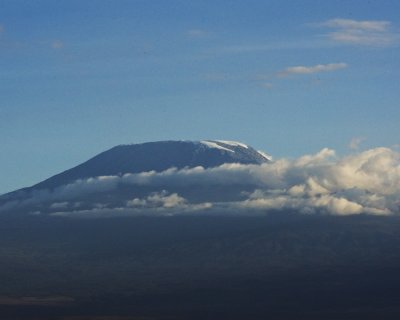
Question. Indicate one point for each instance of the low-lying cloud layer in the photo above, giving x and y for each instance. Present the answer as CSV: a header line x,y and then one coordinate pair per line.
x,y
367,182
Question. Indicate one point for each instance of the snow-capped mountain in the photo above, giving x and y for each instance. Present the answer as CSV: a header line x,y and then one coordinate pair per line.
x,y
121,161
158,156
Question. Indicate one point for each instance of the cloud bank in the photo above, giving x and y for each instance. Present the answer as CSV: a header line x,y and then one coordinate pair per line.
x,y
322,183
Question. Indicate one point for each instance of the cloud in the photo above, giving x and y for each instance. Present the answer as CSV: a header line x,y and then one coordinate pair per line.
x,y
326,203
59,205
361,32
301,70
321,183
164,200
157,203
367,25
159,200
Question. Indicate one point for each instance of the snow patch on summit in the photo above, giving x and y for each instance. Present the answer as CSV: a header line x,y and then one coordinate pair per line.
x,y
233,143
214,145
265,155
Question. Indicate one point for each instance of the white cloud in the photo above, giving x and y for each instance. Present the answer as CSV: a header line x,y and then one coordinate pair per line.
x,y
164,200
367,25
309,205
312,69
361,32
321,203
159,199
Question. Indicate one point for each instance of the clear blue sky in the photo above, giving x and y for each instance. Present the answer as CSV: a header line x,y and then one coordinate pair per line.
x,y
287,77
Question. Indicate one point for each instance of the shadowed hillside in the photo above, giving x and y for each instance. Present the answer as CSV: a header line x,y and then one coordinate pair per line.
x,y
280,266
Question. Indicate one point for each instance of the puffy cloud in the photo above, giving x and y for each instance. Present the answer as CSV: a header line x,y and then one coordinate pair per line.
x,y
312,69
361,32
365,182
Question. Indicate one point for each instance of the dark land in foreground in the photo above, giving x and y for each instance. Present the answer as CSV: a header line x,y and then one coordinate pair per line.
x,y
280,266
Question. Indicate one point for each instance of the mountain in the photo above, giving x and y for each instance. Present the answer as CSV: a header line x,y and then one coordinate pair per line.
x,y
133,159
158,156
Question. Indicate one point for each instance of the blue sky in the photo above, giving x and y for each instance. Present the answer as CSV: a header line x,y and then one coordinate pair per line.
x,y
287,77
